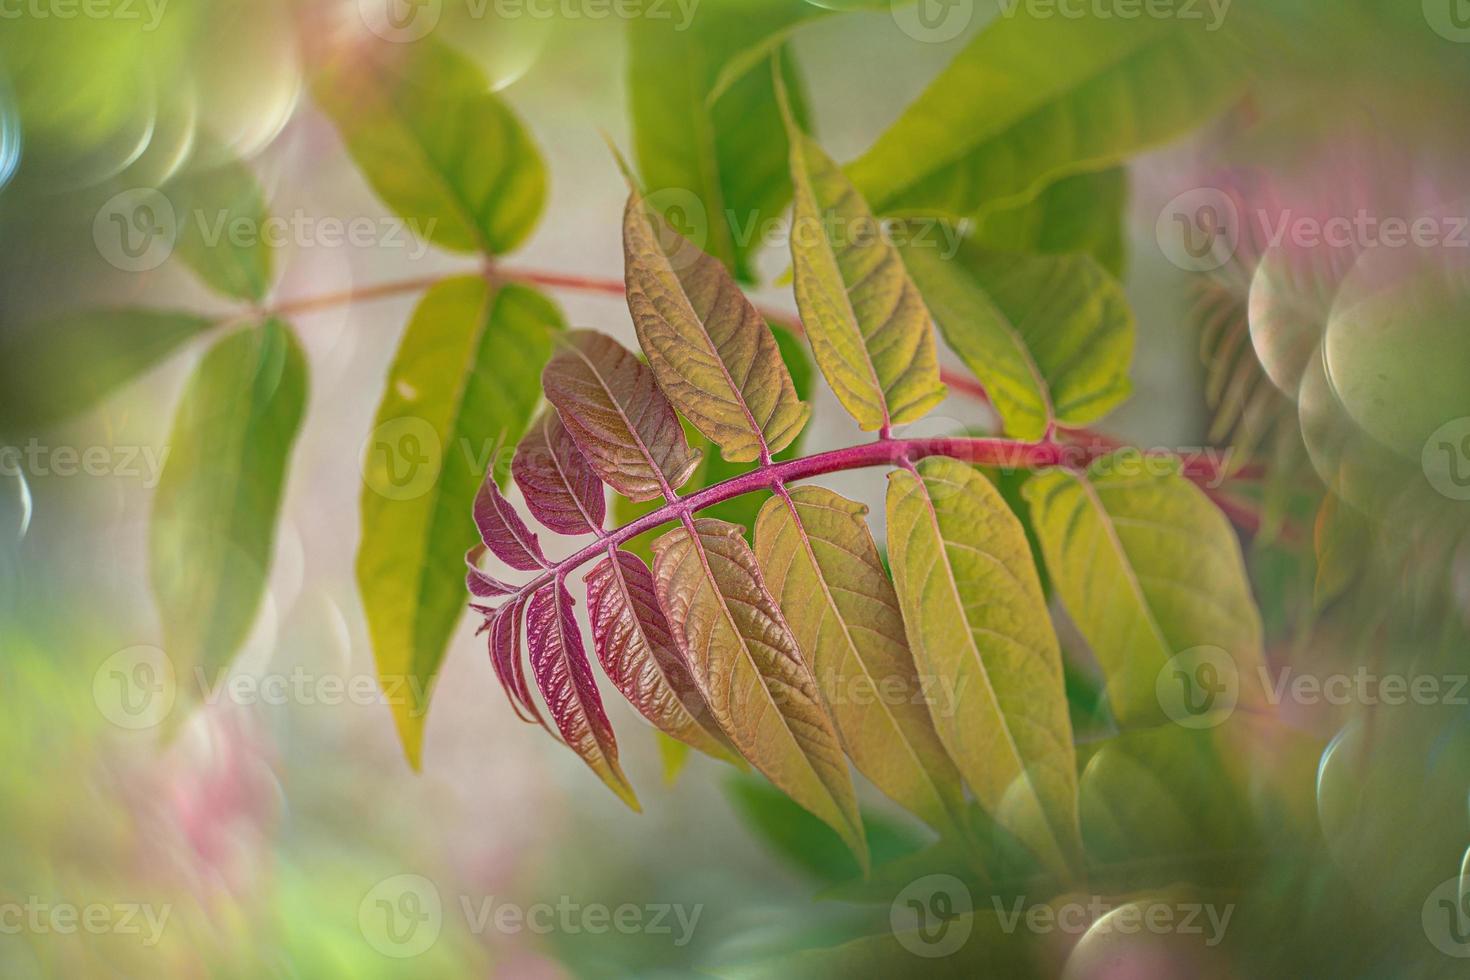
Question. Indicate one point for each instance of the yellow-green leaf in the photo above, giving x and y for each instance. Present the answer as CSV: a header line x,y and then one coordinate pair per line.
x,y
1081,213
1050,337
464,382
212,534
1035,97
708,346
974,613
863,315
1150,570
822,566
747,665
221,218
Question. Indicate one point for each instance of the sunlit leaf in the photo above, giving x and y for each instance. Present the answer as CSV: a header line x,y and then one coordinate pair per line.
x,y
637,652
437,146
1035,97
746,663
708,346
614,410
1051,338
462,385
222,234
714,168
557,482
862,313
58,367
822,566
1148,569
213,530
564,677
975,616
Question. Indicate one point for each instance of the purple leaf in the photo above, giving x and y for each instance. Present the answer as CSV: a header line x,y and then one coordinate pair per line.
x,y
479,583
503,531
637,652
565,678
505,658
558,484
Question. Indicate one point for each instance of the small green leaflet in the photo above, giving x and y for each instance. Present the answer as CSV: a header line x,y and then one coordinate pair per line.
x,y
220,215
1034,98
974,613
213,530
1151,572
464,384
436,145
1050,337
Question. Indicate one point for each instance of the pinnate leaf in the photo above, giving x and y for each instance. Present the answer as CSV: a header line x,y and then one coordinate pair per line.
x,y
974,613
560,488
637,651
863,315
214,514
504,627
747,664
1050,337
436,145
821,564
1148,569
614,410
503,531
463,381
564,677
708,346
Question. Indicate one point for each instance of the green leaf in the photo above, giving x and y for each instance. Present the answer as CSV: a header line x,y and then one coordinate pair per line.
x,y
1083,213
715,169
863,315
212,534
747,665
1034,98
975,616
1050,337
221,215
821,564
1148,569
62,366
708,346
436,145
465,381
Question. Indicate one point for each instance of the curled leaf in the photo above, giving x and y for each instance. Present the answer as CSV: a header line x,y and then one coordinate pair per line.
x,y
565,679
614,410
708,346
478,582
503,530
748,666
505,657
559,486
637,651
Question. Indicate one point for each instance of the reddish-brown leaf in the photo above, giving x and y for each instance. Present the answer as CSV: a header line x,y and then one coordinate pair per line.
x,y
505,657
560,488
503,530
